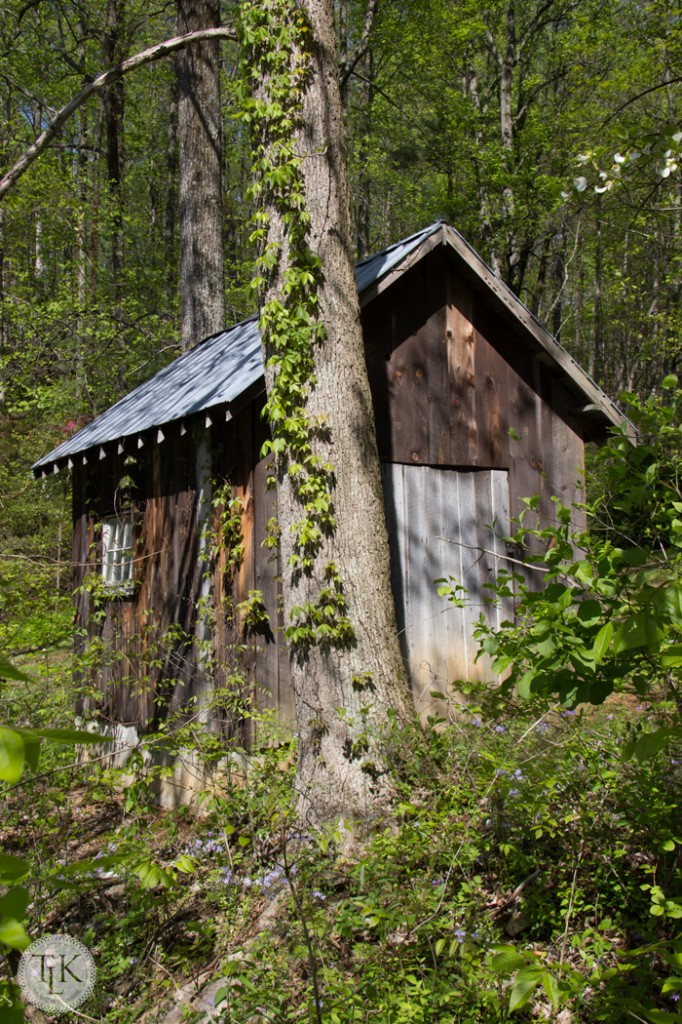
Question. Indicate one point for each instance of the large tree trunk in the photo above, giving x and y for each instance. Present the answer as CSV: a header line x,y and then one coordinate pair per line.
x,y
114,106
202,291
345,696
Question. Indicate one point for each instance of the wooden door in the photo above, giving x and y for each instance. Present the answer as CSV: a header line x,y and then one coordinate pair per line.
x,y
444,522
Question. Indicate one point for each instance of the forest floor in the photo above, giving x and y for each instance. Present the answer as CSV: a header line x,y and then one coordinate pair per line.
x,y
527,871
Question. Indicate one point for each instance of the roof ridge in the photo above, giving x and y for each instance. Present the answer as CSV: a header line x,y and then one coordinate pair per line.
x,y
424,233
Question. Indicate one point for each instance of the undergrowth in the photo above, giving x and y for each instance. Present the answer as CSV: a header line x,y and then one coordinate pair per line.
x,y
527,872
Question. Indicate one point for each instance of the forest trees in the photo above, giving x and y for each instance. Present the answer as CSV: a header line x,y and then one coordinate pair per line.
x,y
200,162
481,112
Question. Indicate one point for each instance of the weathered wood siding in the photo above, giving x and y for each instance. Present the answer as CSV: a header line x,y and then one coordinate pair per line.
x,y
152,665
450,379
444,522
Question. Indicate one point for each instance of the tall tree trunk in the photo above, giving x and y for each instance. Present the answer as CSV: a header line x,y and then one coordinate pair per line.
x,y
114,100
365,180
345,694
202,291
513,271
170,218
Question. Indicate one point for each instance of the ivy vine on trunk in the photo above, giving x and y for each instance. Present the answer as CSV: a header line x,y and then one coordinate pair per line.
x,y
347,670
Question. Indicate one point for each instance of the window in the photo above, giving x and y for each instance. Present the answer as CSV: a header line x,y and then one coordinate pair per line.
x,y
117,554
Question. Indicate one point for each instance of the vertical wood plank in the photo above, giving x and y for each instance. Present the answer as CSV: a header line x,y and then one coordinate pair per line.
x,y
439,525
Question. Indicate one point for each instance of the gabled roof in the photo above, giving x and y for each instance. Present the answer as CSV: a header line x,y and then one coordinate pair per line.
x,y
225,368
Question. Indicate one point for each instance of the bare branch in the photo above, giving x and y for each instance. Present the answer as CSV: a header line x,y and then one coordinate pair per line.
x,y
100,83
349,65
638,96
492,47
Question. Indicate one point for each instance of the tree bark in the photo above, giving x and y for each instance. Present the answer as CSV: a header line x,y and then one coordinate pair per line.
x,y
114,105
345,696
202,286
171,207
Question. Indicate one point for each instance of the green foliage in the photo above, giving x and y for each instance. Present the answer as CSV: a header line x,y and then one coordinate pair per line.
x,y
604,611
276,68
19,752
526,864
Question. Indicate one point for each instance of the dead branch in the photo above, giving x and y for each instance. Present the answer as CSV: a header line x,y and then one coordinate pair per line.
x,y
98,85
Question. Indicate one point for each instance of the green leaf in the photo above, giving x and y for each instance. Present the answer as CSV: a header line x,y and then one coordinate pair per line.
x,y
185,864
663,1017
602,642
12,1015
14,903
12,869
31,751
525,983
648,744
71,736
671,985
13,934
507,960
12,755
672,658
639,631
150,875
220,996
524,684
668,602
551,987
8,671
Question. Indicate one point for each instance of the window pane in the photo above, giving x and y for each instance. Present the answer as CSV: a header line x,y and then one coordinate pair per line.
x,y
117,552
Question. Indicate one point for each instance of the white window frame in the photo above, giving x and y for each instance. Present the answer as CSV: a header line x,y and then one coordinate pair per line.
x,y
118,554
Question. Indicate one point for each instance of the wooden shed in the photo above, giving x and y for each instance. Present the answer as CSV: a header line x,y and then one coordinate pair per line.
x,y
476,407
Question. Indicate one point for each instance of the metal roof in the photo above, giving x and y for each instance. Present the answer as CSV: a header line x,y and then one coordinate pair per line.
x,y
370,270
223,367
215,372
